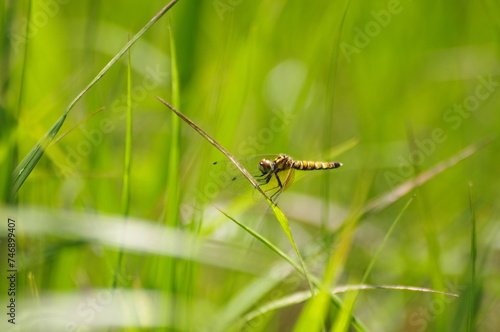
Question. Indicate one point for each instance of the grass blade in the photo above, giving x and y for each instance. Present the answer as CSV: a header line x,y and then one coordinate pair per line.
x,y
127,162
473,256
345,316
277,211
265,241
380,203
212,141
75,126
24,169
301,297
172,198
313,316
317,283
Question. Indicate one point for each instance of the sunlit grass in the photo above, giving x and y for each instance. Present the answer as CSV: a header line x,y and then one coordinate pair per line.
x,y
119,227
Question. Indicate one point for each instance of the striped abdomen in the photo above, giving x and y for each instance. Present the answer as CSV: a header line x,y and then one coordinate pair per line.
x,y
305,165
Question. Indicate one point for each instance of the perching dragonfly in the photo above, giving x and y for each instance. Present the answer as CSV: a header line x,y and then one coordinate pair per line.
x,y
273,173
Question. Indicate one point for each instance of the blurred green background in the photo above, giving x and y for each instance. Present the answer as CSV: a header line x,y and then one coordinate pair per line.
x,y
388,88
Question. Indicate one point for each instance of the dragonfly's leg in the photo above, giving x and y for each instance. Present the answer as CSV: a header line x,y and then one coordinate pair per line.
x,y
267,178
279,180
263,178
259,175
279,186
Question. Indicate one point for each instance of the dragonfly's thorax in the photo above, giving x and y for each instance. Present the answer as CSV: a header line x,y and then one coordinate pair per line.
x,y
283,162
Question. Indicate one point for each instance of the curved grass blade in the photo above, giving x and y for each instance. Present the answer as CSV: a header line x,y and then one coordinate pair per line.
x,y
301,297
343,321
381,202
88,117
286,228
317,283
219,147
24,169
265,241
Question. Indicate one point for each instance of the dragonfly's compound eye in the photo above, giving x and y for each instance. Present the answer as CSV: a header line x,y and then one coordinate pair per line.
x,y
265,166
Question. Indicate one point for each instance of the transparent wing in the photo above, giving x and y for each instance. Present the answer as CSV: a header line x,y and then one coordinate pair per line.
x,y
229,179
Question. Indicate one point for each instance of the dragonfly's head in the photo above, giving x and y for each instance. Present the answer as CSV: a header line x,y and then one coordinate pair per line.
x,y
266,166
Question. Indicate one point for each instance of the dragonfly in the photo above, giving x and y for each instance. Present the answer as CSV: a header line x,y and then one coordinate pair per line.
x,y
273,173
